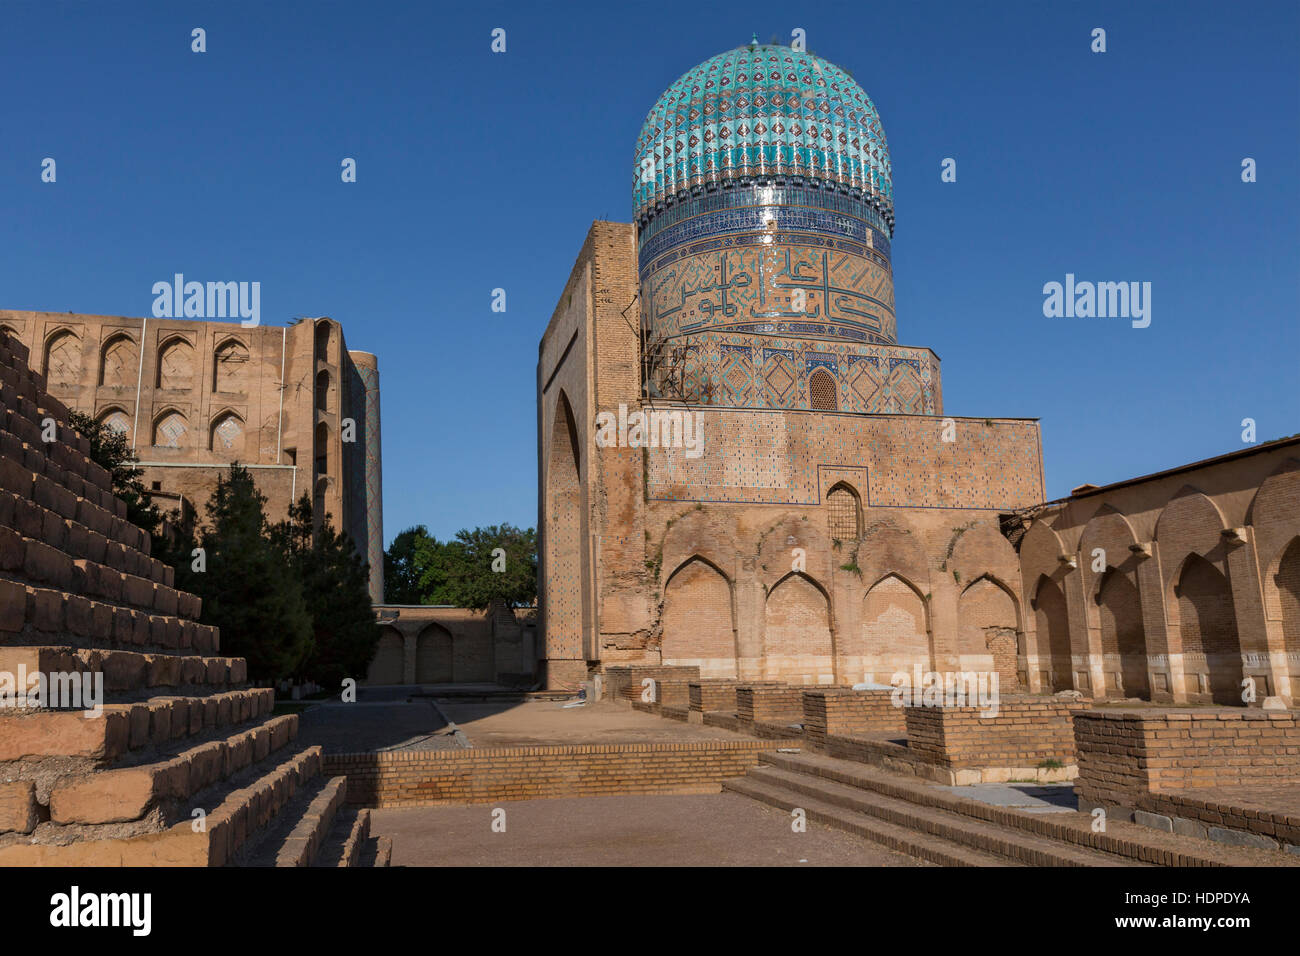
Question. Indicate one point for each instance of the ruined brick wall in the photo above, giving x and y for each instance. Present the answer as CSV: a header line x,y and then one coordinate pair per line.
x,y
427,778
117,780
1173,587
1123,754
193,396
759,702
1025,733
848,713
649,556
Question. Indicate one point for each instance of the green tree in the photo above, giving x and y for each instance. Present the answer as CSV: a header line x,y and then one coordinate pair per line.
x,y
464,572
248,588
493,565
336,585
110,450
401,573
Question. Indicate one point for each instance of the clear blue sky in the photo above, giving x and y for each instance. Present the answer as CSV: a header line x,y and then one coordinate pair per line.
x,y
478,171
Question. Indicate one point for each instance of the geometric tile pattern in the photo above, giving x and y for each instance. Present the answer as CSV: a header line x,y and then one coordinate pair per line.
x,y
739,371
768,456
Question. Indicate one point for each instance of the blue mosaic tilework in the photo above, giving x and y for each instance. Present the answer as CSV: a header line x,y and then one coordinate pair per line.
x,y
750,208
762,112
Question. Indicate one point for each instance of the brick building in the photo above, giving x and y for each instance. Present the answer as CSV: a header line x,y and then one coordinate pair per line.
x,y
836,525
291,403
1174,587
834,522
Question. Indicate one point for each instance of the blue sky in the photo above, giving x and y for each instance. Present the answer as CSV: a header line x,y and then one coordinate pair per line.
x,y
479,170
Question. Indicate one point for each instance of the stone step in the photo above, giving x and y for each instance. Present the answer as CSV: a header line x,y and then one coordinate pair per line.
x,y
129,793
296,835
897,838
126,670
346,839
230,812
31,615
129,726
1122,840
1004,842
82,530
378,851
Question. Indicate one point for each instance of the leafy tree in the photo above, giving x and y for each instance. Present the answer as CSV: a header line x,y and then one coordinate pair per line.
x,y
110,450
336,584
401,574
478,575
464,572
248,588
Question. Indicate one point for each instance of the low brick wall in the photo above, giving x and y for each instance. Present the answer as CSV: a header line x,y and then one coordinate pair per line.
x,y
850,712
674,693
719,693
1186,812
625,682
1025,732
433,777
1124,755
775,703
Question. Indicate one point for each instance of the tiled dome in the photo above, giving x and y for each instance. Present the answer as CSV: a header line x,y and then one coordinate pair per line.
x,y
762,113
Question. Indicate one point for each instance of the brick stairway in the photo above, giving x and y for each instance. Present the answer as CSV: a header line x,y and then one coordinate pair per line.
x,y
186,766
936,825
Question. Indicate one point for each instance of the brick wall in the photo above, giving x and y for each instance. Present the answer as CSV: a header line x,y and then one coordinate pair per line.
x,y
425,778
1124,754
769,702
625,682
1024,733
848,713
719,694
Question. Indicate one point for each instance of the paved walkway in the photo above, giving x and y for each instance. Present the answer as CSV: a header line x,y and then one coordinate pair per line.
x,y
388,721
1030,797
550,723
723,829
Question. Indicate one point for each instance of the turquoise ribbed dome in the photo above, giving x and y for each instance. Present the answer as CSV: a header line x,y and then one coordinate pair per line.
x,y
762,113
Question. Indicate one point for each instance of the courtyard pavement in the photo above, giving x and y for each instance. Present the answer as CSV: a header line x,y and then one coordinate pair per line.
x,y
724,829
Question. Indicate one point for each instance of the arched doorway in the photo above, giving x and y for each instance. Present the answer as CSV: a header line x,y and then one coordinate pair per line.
x,y
433,660
1123,639
1053,625
566,593
797,645
698,627
986,619
1208,626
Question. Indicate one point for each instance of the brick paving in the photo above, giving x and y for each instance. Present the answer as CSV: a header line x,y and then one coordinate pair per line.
x,y
703,830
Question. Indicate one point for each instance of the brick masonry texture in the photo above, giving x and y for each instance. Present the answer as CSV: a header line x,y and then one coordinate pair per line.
x,y
848,712
179,728
1124,756
527,773
1024,733
211,393
659,558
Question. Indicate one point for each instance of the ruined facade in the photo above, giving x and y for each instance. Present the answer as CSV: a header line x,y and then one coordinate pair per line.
x,y
834,526
1175,588
823,519
427,644
194,396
